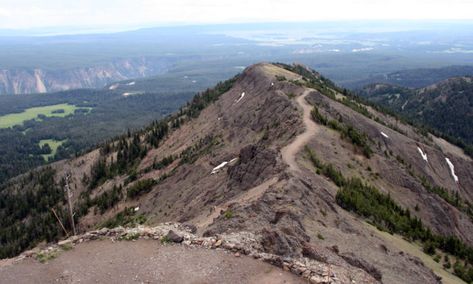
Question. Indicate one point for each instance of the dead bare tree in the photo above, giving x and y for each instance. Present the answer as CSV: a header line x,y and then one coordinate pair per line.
x,y
69,203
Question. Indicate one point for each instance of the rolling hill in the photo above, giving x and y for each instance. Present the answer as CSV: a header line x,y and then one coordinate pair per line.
x,y
446,106
416,78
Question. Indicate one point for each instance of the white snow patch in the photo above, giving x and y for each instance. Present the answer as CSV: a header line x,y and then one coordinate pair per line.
x,y
404,105
113,87
131,83
219,167
452,169
241,97
384,134
222,165
424,155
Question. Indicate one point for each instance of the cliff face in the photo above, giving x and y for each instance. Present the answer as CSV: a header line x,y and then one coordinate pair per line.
x,y
27,81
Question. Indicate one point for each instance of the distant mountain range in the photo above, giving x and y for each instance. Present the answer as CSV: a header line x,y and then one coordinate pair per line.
x,y
416,78
345,52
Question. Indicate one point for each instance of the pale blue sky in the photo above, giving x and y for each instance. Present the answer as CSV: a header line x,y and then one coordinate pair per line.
x,y
22,14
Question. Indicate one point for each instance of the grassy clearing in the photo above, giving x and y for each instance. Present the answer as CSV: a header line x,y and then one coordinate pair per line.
x,y
59,110
53,144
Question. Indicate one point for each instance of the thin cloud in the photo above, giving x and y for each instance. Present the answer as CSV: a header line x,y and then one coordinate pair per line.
x,y
33,13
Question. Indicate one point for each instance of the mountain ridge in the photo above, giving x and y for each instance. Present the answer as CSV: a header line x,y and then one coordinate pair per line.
x,y
218,164
445,106
416,78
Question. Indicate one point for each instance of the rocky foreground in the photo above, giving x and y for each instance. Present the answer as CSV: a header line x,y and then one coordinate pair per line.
x,y
239,244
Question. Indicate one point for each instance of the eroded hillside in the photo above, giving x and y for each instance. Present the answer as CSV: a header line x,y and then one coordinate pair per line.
x,y
282,153
37,80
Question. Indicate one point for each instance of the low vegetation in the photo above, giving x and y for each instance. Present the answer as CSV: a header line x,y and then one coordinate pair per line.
x,y
202,147
126,218
108,199
102,202
165,240
140,187
453,199
347,132
228,214
44,257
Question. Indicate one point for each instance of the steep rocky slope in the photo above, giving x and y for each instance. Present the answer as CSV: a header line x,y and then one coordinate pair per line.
x,y
26,81
238,160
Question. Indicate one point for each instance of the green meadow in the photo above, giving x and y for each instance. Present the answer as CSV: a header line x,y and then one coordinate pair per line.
x,y
53,144
59,110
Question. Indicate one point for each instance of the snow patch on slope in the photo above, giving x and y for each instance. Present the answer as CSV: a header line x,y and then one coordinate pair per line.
x,y
241,97
424,155
219,167
452,169
404,105
113,87
222,165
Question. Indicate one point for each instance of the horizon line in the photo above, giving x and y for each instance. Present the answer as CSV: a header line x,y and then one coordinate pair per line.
x,y
85,29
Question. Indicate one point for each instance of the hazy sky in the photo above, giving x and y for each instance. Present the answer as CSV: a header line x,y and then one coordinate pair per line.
x,y
20,14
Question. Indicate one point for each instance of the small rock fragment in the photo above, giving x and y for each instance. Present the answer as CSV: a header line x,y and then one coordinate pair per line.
x,y
175,238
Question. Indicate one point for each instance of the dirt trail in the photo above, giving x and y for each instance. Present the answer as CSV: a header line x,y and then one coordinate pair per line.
x,y
290,151
144,261
248,196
